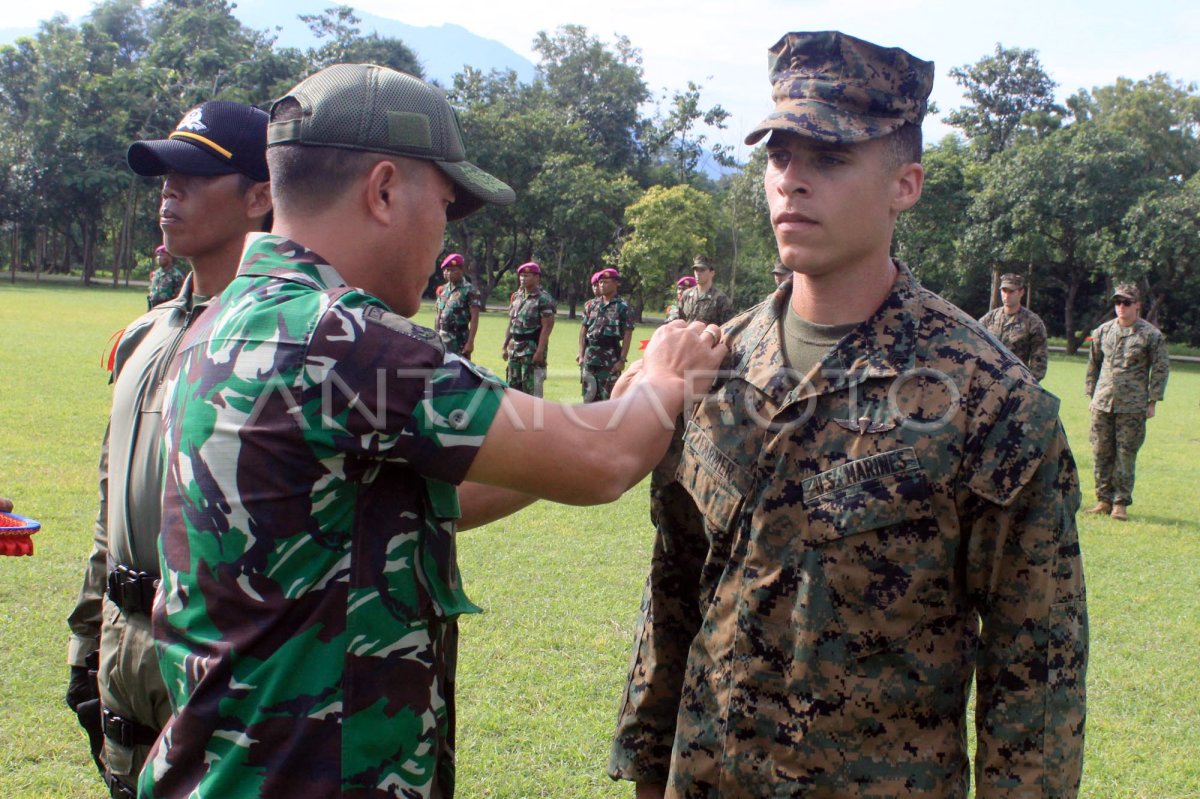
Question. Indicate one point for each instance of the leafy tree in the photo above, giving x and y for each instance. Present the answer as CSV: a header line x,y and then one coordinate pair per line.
x,y
669,227
346,44
600,88
745,239
929,235
1011,99
676,134
1160,249
1055,205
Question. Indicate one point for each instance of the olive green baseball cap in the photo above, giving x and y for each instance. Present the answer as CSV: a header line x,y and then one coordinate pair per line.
x,y
833,87
380,110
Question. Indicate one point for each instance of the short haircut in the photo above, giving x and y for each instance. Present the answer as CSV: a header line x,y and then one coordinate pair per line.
x,y
904,145
304,177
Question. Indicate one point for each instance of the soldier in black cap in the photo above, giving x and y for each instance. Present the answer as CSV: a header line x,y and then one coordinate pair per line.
x,y
873,507
215,190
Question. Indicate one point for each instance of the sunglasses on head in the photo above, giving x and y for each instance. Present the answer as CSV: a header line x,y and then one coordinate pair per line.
x,y
1123,302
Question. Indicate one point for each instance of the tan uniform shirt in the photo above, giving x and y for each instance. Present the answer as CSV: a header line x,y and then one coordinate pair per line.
x,y
1127,367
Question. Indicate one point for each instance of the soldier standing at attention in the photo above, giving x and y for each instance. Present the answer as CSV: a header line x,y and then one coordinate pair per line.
x,y
1018,328
604,338
704,302
681,286
215,191
457,308
322,449
873,507
166,280
530,319
1126,376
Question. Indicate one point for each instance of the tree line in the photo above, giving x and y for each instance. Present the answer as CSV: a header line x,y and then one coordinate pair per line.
x,y
1100,188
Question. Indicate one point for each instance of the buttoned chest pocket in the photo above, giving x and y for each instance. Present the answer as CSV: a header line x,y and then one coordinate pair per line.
x,y
874,545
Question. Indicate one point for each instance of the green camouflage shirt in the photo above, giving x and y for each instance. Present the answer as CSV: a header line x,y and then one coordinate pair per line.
x,y
453,320
306,620
1023,333
605,323
712,307
525,313
164,285
1127,367
838,556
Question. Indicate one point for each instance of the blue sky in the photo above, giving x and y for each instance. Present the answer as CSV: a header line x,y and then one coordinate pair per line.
x,y
722,45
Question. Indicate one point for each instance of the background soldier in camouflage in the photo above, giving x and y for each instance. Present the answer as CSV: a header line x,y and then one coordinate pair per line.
x,y
314,441
458,307
214,192
874,505
704,302
779,272
531,312
1018,328
1126,375
604,338
166,280
681,285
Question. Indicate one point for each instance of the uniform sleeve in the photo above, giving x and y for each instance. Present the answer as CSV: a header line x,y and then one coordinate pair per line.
x,y
1160,367
724,309
1095,359
390,391
1025,576
1038,353
85,618
668,621
548,305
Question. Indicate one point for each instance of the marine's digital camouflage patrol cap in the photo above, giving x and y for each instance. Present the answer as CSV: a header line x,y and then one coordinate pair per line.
x,y
379,110
1012,280
836,88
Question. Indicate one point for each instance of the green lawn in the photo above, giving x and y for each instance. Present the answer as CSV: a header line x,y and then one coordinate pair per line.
x,y
541,671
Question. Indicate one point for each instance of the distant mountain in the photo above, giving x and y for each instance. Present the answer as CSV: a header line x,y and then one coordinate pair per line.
x,y
442,50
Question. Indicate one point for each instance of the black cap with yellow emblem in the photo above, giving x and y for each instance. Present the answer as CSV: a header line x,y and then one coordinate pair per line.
x,y
216,138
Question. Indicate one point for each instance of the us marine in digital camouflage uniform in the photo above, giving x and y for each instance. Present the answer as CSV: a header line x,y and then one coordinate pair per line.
x,y
458,307
704,302
531,312
1127,373
873,506
214,191
1017,327
604,338
314,441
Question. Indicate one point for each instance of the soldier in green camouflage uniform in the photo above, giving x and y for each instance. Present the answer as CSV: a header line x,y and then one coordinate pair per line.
x,y
681,285
165,281
1126,376
531,312
704,302
314,439
604,338
1017,327
458,307
863,516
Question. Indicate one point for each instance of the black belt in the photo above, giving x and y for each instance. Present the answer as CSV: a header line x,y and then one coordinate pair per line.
x,y
526,336
131,591
125,731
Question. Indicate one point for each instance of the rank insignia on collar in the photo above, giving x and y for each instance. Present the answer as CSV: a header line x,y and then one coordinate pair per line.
x,y
863,425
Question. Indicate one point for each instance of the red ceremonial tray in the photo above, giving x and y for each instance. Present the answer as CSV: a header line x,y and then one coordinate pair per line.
x,y
15,532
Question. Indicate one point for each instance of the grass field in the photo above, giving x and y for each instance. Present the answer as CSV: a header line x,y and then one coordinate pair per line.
x,y
542,669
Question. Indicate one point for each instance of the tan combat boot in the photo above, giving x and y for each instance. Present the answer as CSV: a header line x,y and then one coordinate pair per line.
x,y
1118,513
1101,507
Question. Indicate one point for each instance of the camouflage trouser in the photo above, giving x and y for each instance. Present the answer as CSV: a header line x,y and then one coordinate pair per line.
x,y
524,375
598,383
131,687
1116,438
454,340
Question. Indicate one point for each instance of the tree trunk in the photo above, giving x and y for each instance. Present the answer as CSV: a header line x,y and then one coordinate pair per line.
x,y
1069,316
994,301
